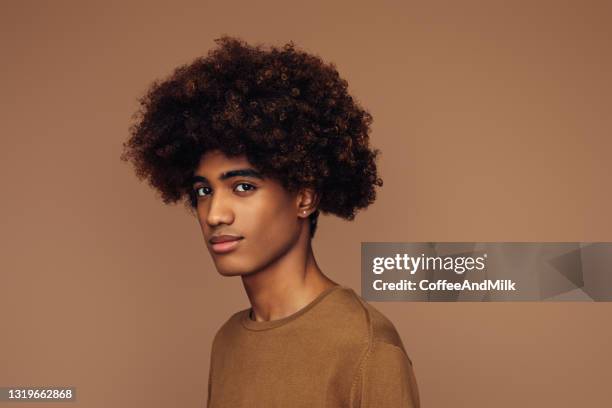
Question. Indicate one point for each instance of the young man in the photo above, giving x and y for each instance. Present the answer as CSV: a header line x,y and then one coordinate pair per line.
x,y
257,142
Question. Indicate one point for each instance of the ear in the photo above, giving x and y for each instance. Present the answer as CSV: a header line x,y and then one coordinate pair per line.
x,y
307,202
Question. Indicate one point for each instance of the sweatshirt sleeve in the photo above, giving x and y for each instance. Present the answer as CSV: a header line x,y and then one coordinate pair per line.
x,y
388,379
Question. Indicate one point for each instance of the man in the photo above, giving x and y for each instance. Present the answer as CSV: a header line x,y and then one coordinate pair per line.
x,y
257,142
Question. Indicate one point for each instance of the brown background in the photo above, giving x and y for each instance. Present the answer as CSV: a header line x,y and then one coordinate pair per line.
x,y
494,122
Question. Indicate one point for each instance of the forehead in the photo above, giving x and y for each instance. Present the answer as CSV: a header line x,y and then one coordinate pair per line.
x,y
216,162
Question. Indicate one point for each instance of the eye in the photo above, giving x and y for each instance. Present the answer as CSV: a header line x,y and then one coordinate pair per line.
x,y
201,191
244,187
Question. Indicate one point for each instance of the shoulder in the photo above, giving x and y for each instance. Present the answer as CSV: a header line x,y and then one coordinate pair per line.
x,y
384,376
229,328
380,327
384,332
363,319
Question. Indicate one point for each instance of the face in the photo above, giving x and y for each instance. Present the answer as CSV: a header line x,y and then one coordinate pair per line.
x,y
248,221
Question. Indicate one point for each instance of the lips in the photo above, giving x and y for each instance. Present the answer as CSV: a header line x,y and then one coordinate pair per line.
x,y
224,243
224,238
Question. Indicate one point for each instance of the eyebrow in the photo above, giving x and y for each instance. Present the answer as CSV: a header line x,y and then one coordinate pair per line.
x,y
229,174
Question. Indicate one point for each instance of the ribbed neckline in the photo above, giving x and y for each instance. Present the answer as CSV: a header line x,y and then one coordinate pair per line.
x,y
270,324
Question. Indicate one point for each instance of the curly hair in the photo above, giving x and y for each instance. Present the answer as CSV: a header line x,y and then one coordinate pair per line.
x,y
286,110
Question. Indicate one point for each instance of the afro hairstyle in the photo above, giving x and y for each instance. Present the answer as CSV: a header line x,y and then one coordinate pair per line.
x,y
286,110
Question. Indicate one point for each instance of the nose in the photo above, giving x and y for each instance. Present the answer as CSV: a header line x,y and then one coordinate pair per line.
x,y
219,210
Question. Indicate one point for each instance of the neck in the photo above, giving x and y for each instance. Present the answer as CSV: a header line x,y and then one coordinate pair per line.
x,y
288,285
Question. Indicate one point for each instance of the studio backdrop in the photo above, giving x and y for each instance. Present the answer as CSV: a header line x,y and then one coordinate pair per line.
x,y
493,121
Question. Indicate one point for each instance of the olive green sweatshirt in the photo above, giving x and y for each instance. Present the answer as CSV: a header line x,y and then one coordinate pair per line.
x,y
337,351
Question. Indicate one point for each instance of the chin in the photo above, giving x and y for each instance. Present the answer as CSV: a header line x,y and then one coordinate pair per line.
x,y
226,268
225,272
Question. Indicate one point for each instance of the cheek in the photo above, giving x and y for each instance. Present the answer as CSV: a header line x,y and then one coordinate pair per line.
x,y
273,224
201,216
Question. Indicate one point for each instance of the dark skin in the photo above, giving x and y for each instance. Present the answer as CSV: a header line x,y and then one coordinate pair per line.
x,y
273,254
